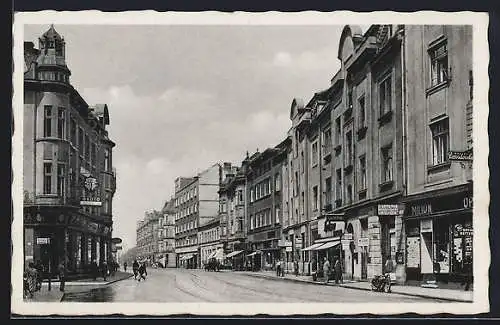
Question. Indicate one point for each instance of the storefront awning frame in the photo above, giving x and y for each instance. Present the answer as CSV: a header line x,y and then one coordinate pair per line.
x,y
328,245
233,254
313,247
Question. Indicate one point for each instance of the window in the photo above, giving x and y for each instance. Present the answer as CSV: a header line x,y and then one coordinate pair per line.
x,y
107,163
80,141
61,123
387,164
362,112
277,214
440,141
73,131
362,172
47,126
328,191
315,198
302,162
327,141
339,185
277,182
60,179
314,153
296,183
439,64
338,130
349,155
47,178
385,96
303,201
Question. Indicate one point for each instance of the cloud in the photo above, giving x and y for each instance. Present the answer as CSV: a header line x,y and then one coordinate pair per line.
x,y
282,59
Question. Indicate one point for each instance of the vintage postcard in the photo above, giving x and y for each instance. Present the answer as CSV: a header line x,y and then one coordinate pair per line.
x,y
250,163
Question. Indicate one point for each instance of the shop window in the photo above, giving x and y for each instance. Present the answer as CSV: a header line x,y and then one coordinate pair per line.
x,y
440,141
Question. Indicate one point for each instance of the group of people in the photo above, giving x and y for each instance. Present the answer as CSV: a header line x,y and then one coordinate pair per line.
x,y
104,269
33,275
337,270
139,270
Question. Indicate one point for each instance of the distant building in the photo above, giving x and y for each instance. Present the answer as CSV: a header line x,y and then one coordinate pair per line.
x,y
196,204
264,194
166,235
209,236
68,177
147,238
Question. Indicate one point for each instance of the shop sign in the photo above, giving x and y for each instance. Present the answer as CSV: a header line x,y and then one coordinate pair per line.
x,y
288,249
460,155
388,209
91,195
284,243
400,258
439,205
43,240
347,236
413,252
364,242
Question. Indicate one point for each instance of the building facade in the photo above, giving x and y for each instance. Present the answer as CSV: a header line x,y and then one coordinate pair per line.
x,y
68,178
265,203
209,236
147,237
439,92
196,203
166,235
232,212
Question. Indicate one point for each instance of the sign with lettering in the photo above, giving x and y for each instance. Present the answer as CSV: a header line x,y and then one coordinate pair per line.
x,y
388,209
413,252
460,201
460,155
91,194
43,241
364,242
347,236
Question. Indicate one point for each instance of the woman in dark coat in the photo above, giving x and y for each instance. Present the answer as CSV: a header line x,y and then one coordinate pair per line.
x,y
135,269
142,272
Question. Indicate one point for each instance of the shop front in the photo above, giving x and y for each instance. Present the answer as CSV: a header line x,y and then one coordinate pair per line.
x,y
235,255
264,250
439,236
54,235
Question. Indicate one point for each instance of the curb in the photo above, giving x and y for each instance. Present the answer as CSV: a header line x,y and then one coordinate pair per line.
x,y
347,286
104,284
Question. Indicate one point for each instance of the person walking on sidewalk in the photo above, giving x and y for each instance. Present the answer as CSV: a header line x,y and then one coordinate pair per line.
x,y
125,266
338,271
135,269
296,267
278,268
62,276
94,269
142,272
326,270
104,270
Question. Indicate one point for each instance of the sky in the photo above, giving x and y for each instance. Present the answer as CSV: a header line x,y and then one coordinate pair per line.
x,y
182,98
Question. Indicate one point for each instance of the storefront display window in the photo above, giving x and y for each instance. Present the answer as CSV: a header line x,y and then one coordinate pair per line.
x,y
442,247
462,247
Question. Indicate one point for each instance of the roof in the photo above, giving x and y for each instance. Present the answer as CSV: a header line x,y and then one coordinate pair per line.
x,y
52,34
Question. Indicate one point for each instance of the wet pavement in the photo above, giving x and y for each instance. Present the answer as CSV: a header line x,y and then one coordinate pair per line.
x,y
182,285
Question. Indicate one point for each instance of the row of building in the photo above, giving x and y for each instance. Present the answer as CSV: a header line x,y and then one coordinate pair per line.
x,y
68,175
376,167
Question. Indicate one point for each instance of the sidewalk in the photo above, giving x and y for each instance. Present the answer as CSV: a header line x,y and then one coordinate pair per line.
x,y
414,291
54,295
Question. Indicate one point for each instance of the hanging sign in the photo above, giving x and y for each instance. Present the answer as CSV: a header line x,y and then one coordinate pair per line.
x,y
91,194
460,155
43,241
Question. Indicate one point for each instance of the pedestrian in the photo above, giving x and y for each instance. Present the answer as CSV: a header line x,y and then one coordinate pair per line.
x,y
30,278
125,266
296,267
104,270
62,276
338,271
39,269
94,269
142,272
326,270
278,268
135,269
468,274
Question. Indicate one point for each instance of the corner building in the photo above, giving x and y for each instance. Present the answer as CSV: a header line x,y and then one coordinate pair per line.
x,y
68,178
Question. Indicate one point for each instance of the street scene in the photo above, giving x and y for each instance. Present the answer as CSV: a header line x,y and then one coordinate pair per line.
x,y
254,164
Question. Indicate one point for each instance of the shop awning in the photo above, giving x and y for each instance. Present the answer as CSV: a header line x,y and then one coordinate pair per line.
x,y
252,254
212,254
186,257
219,254
313,247
329,245
232,254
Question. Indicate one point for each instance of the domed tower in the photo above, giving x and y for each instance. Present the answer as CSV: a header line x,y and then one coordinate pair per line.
x,y
51,62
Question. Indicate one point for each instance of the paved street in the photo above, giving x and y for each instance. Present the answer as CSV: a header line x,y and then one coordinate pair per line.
x,y
182,285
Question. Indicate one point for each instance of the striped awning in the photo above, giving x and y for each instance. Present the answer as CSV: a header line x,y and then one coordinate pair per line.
x,y
328,245
212,254
232,254
313,247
